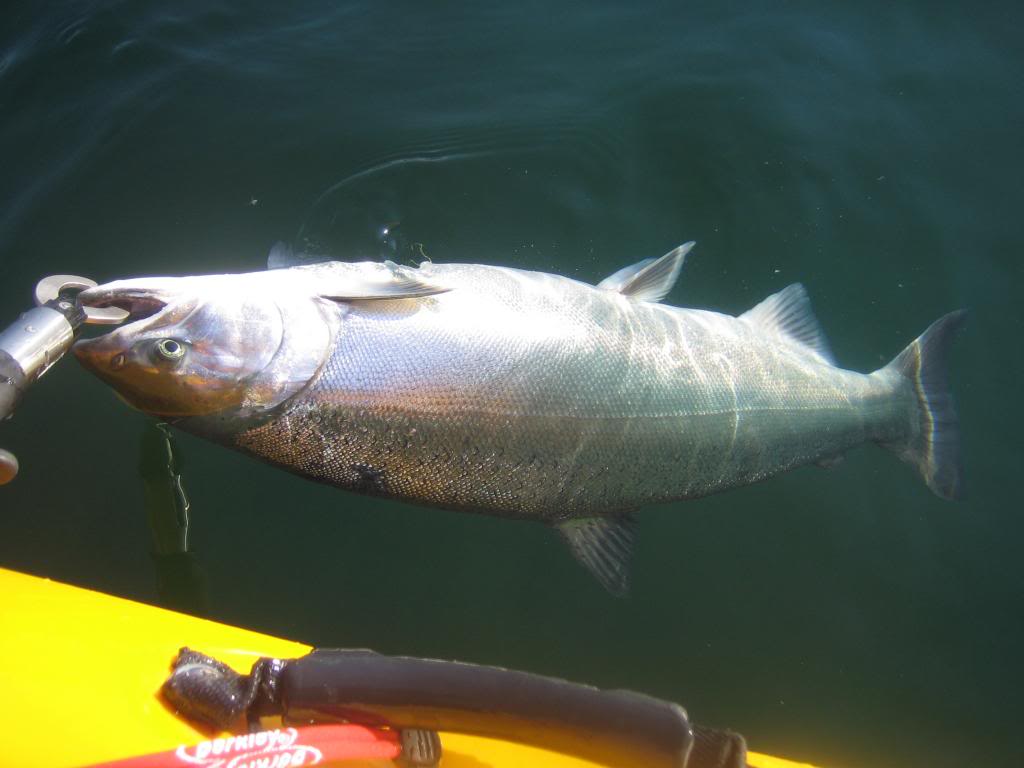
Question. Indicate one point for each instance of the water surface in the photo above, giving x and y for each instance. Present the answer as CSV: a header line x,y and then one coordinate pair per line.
x,y
872,152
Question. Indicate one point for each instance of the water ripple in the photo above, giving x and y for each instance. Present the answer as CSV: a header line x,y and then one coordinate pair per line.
x,y
469,190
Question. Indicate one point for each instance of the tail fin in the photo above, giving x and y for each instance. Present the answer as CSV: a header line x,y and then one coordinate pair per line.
x,y
934,448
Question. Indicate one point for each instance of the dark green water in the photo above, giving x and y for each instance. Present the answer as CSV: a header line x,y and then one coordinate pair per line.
x,y
872,152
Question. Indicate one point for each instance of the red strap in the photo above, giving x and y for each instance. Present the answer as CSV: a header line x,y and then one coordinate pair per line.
x,y
276,748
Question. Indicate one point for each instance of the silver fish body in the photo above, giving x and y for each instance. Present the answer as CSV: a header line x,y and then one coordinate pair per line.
x,y
535,396
531,395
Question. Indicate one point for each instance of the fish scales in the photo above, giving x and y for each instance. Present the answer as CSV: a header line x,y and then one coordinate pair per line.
x,y
513,393
556,400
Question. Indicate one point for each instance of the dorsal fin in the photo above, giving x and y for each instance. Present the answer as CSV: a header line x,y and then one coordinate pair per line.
x,y
650,279
603,545
788,314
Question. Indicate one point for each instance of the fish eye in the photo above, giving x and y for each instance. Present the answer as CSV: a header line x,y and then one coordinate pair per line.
x,y
170,350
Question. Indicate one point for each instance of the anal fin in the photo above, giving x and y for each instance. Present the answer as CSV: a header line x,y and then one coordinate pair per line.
x,y
787,314
604,546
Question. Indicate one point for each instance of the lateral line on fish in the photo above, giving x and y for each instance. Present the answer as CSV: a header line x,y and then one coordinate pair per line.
x,y
578,417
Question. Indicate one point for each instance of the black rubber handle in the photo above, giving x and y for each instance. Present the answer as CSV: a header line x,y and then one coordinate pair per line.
x,y
613,727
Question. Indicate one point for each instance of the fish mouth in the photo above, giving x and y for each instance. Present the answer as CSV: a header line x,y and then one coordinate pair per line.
x,y
138,302
141,299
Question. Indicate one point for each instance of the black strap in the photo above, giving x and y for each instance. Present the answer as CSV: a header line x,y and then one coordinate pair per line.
x,y
713,748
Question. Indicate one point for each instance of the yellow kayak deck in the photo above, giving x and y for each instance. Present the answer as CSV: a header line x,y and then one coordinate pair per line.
x,y
80,673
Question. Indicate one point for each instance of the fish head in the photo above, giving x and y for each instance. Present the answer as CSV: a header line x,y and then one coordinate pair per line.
x,y
195,346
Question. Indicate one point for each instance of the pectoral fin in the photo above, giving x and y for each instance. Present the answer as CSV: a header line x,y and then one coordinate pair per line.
x,y
353,281
604,546
366,281
397,285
